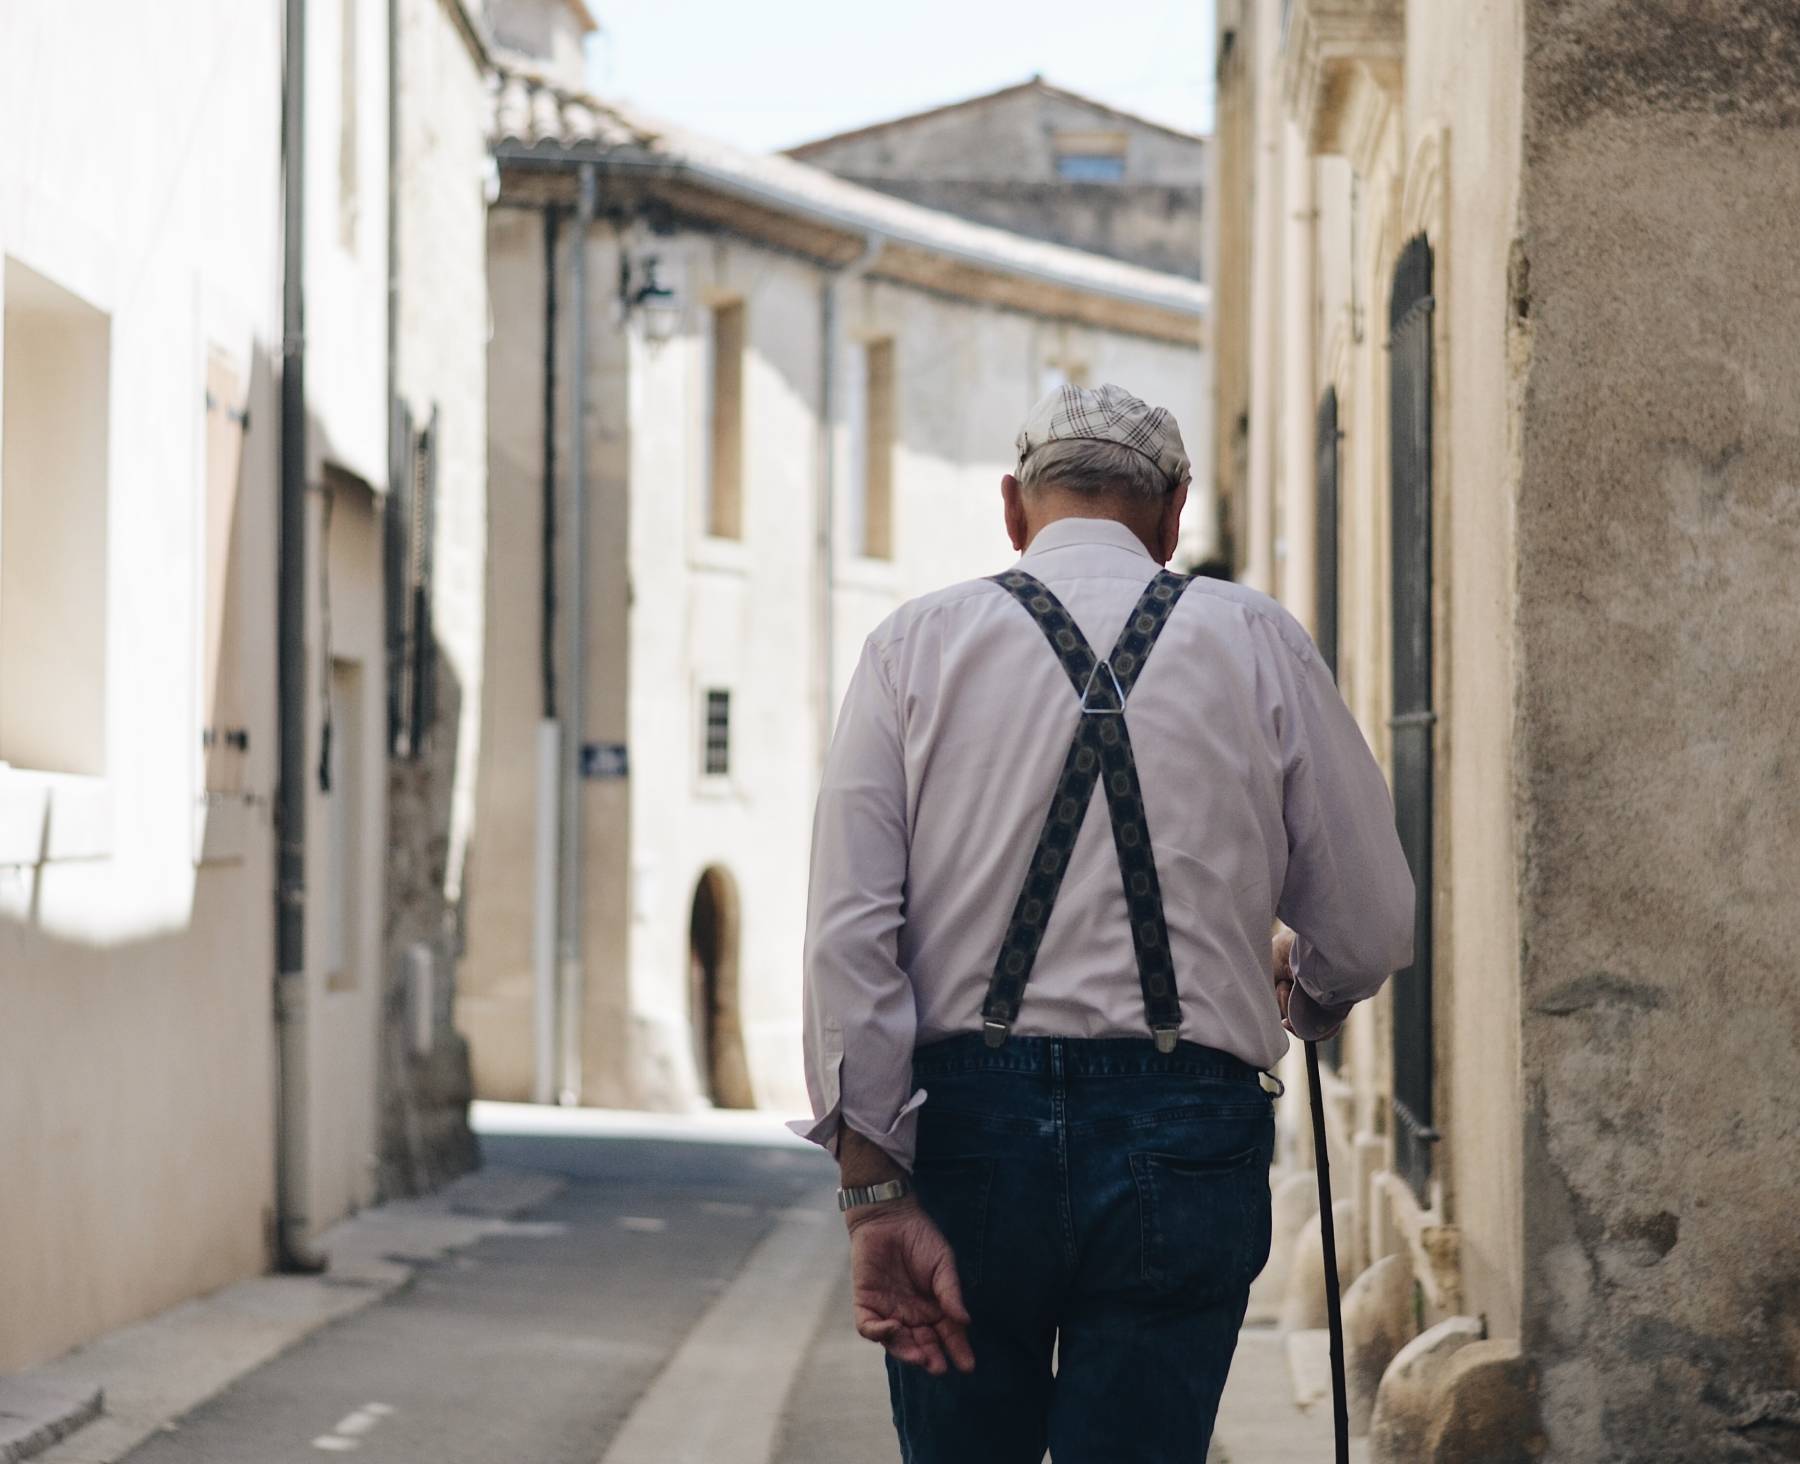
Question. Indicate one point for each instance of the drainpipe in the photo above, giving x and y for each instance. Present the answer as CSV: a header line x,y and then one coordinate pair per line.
x,y
293,1252
549,739
826,510
575,676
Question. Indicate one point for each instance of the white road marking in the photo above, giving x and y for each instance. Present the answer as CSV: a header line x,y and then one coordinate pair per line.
x,y
347,1436
720,1399
646,1224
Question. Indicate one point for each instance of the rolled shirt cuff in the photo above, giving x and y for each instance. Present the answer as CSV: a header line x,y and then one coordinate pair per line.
x,y
1311,1019
899,1140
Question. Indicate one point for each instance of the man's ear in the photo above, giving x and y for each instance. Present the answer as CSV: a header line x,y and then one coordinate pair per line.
x,y
1012,496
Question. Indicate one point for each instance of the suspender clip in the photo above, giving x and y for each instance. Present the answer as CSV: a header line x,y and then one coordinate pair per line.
x,y
1166,1038
994,1033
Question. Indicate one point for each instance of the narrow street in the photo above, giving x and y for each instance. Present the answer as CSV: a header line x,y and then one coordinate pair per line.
x,y
683,1296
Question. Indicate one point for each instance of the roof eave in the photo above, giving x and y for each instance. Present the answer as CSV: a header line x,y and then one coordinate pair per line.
x,y
1175,314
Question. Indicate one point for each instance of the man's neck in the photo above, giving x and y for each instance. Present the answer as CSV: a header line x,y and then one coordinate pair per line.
x,y
1145,524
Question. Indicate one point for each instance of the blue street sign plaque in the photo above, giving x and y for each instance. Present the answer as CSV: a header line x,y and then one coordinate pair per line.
x,y
604,760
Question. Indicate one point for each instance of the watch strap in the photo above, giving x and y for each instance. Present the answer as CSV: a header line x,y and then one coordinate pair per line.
x,y
873,1194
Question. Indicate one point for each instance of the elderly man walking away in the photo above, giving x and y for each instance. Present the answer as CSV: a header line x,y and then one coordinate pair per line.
x,y
1062,811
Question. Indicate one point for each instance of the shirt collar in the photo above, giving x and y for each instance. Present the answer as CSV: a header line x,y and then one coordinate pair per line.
x,y
1066,533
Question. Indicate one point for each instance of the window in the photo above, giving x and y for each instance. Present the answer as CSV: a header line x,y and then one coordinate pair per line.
x,y
53,488
878,450
1091,157
725,408
1414,722
716,762
1090,168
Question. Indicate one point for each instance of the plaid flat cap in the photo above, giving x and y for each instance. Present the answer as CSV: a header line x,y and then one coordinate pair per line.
x,y
1107,414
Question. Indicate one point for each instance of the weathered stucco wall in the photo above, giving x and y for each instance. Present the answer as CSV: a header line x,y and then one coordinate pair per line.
x,y
495,994
1010,136
1459,186
136,1051
994,159
441,237
1658,529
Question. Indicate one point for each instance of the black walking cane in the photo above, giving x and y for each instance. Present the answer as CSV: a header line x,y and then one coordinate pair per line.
x,y
1334,1310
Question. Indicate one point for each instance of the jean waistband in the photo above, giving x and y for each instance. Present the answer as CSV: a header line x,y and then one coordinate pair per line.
x,y
1078,1057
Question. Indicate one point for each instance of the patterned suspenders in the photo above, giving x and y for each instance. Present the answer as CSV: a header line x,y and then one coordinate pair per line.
x,y
1101,752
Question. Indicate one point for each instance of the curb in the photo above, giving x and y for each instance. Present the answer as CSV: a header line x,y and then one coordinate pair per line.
x,y
34,1414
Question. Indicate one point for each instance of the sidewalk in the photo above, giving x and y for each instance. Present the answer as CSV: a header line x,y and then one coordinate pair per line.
x,y
97,1403
1258,1422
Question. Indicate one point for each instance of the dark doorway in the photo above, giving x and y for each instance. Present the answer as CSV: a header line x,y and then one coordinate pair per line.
x,y
713,1009
1414,719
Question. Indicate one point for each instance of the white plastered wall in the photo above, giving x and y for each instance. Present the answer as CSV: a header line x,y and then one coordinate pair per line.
x,y
135,1051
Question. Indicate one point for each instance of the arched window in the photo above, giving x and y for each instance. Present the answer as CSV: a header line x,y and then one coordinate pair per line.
x,y
1414,720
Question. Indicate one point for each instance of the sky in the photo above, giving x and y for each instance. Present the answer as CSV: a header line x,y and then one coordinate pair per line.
x,y
772,75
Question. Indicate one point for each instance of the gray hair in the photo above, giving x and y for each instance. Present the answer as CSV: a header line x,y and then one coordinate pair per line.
x,y
1093,469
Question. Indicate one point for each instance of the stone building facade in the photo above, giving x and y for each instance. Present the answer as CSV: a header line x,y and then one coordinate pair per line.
x,y
178,1115
797,402
1041,161
1502,392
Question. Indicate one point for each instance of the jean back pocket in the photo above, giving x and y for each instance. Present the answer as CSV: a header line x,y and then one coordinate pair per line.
x,y
1204,1221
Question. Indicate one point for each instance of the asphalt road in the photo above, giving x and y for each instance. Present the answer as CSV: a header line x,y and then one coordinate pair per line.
x,y
582,1334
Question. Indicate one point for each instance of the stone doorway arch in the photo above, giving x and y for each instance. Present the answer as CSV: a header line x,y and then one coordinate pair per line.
x,y
713,999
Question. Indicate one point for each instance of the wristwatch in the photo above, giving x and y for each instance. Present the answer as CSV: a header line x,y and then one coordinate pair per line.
x,y
873,1194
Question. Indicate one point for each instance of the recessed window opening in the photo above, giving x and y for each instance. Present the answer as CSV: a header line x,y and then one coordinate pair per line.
x,y
717,757
725,428
54,426
1091,157
878,450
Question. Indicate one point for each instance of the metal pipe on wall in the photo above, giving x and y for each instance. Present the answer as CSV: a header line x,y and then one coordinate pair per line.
x,y
575,676
547,873
292,1249
824,678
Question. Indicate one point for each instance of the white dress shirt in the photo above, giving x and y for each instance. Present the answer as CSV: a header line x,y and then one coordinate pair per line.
x,y
1261,796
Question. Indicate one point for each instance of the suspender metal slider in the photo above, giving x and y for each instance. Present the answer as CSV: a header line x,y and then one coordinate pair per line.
x,y
1166,1038
994,1033
1094,695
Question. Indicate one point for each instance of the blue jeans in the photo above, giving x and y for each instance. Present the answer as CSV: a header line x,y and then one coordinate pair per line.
x,y
1105,1203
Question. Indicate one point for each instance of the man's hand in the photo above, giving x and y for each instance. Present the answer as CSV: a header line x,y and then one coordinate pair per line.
x,y
1316,1014
1283,953
904,1287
